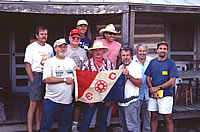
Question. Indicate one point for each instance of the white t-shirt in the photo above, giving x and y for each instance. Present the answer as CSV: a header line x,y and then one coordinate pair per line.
x,y
130,89
60,92
36,55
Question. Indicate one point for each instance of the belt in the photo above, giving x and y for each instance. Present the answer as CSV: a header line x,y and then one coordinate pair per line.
x,y
128,99
37,73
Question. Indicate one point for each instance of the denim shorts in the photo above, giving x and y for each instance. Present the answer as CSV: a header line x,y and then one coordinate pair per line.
x,y
36,88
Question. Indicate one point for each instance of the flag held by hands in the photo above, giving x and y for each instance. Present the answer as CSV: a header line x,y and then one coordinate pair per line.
x,y
95,86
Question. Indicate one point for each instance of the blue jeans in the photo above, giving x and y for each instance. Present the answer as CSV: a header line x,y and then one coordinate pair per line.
x,y
88,114
50,110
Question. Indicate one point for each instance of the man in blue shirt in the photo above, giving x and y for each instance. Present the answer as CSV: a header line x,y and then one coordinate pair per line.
x,y
143,60
161,76
85,42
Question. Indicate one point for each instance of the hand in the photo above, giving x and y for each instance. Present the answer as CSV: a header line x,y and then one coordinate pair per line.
x,y
69,80
155,95
76,68
108,103
91,104
126,72
154,89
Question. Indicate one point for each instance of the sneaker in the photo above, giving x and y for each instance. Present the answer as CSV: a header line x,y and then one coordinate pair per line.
x,y
74,129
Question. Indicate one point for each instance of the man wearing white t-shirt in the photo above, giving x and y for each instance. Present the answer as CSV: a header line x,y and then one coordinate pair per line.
x,y
35,56
128,108
58,76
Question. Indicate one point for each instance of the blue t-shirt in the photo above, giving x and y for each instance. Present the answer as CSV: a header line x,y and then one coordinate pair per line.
x,y
85,43
161,72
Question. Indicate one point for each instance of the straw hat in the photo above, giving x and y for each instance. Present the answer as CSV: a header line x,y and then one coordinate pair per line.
x,y
108,28
98,45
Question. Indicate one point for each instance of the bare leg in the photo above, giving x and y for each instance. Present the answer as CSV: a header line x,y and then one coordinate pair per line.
x,y
39,114
30,116
154,121
169,122
77,112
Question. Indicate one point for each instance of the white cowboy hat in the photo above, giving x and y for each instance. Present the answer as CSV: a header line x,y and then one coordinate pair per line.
x,y
108,28
98,45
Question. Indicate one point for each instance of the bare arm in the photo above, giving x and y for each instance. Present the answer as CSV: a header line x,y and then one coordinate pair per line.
x,y
135,81
55,80
29,71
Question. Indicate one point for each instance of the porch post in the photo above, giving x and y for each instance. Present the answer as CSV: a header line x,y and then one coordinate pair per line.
x,y
198,43
132,28
125,28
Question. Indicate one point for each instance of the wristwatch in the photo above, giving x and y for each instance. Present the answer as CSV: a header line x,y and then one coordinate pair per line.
x,y
129,77
65,79
160,87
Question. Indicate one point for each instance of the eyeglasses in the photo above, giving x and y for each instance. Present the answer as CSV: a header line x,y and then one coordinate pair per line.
x,y
78,38
110,33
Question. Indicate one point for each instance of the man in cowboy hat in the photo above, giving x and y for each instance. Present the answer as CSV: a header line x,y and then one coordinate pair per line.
x,y
109,33
113,54
96,63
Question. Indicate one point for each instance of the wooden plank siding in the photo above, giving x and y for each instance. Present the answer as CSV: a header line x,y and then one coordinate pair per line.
x,y
149,29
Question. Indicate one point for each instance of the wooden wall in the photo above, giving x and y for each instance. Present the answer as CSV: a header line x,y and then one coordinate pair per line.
x,y
149,29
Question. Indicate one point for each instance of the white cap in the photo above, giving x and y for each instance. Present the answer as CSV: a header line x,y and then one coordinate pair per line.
x,y
82,21
59,42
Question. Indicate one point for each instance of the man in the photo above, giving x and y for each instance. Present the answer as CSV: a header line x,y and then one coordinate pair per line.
x,y
128,109
79,56
85,42
74,51
143,60
35,56
108,40
109,33
161,75
96,63
58,75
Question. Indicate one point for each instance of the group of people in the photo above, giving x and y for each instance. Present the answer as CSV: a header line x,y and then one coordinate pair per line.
x,y
148,89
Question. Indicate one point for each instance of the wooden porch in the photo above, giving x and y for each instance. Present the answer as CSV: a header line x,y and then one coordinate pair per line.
x,y
16,108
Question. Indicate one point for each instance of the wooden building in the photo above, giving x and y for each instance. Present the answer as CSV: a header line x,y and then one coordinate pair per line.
x,y
140,21
178,23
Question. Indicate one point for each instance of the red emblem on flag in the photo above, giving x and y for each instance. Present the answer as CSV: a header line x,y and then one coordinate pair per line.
x,y
89,96
101,86
112,76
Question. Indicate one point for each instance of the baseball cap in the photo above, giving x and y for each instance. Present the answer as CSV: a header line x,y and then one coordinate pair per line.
x,y
74,31
59,42
162,43
82,21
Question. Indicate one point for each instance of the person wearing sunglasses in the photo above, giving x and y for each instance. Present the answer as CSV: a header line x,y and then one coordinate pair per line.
x,y
85,42
79,56
109,33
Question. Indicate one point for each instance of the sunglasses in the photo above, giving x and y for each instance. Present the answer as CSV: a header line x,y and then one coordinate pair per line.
x,y
78,38
110,33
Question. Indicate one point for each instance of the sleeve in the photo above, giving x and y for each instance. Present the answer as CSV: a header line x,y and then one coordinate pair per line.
x,y
67,40
148,70
28,54
85,66
173,71
47,72
135,70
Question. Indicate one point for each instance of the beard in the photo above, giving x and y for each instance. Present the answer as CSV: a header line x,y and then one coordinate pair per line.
x,y
126,61
62,54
